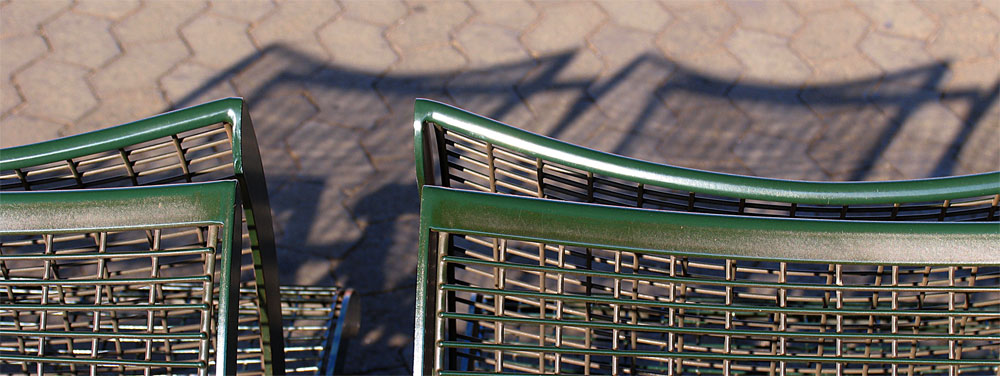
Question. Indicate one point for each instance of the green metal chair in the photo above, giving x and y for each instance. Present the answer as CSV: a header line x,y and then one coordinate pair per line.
x,y
455,148
207,142
519,285
120,280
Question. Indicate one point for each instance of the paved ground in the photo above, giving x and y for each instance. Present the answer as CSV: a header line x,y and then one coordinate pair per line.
x,y
817,90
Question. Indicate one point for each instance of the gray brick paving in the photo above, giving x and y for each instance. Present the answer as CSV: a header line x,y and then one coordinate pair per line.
x,y
816,90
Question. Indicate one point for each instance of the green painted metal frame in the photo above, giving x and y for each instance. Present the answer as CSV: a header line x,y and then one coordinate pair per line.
x,y
653,174
451,211
121,209
247,168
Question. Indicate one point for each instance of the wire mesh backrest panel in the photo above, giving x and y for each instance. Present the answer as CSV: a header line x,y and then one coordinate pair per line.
x,y
460,149
505,303
480,165
115,300
203,154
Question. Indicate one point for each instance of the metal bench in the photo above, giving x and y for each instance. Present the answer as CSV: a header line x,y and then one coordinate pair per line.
x,y
456,148
307,327
510,284
120,280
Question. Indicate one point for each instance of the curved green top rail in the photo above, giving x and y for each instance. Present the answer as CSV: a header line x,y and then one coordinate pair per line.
x,y
228,110
806,192
708,235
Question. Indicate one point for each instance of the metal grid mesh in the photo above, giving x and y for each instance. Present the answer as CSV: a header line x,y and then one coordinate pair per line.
x,y
522,307
474,164
108,302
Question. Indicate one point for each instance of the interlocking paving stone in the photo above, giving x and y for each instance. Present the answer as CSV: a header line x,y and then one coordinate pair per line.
x,y
777,157
346,100
24,16
187,77
139,67
965,36
695,30
767,57
381,12
27,47
81,39
848,68
808,6
246,10
424,27
55,90
158,20
894,53
947,8
813,40
487,45
643,15
514,14
620,46
9,97
562,27
376,349
217,41
769,16
900,18
295,22
108,9
119,107
310,218
357,44
19,130
932,126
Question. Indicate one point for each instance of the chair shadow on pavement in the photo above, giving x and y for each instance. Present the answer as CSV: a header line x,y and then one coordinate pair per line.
x,y
337,148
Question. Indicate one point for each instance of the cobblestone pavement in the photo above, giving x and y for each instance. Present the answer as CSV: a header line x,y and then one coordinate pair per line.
x,y
816,90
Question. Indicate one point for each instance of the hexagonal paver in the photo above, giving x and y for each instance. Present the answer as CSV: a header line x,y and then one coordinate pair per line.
x,y
81,39
311,219
108,9
121,107
619,46
293,21
767,57
947,8
965,36
139,67
158,20
279,113
769,16
695,30
777,157
55,90
383,12
701,80
217,42
979,74
703,139
900,18
894,53
488,45
245,10
325,151
776,112
850,138
21,130
979,152
563,26
357,44
515,14
183,80
345,100
923,141
9,97
23,17
439,59
848,68
27,47
423,26
830,35
642,15
818,6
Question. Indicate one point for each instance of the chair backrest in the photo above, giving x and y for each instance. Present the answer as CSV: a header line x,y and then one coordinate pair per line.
x,y
120,280
207,142
527,285
455,148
